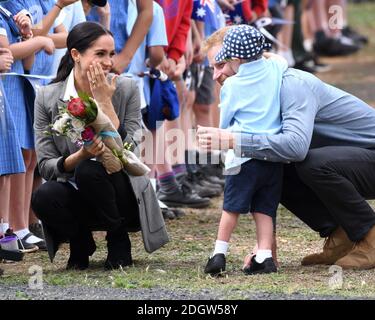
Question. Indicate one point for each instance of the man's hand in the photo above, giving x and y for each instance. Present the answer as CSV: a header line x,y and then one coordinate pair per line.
x,y
214,138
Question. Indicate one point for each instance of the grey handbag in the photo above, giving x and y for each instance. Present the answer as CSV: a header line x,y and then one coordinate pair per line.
x,y
153,228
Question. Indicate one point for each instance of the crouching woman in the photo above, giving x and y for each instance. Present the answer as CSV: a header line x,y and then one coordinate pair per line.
x,y
79,195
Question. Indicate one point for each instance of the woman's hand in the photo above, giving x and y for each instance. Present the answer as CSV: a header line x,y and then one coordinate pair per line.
x,y
214,138
102,90
6,59
95,149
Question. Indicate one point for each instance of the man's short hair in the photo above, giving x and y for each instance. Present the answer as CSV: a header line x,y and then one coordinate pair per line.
x,y
215,39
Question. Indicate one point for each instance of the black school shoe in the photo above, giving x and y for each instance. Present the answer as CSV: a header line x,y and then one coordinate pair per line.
x,y
267,266
215,264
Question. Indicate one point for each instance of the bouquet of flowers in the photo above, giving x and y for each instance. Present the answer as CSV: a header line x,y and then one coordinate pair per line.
x,y
81,119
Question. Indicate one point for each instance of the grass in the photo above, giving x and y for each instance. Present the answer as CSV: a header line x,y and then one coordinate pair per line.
x,y
180,263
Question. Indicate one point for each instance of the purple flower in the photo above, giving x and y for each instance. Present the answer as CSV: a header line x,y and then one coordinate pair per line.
x,y
88,134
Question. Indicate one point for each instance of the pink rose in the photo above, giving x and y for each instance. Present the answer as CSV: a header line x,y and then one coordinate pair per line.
x,y
88,134
77,108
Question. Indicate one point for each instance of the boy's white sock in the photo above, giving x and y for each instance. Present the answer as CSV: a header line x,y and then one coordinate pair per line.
x,y
263,255
220,247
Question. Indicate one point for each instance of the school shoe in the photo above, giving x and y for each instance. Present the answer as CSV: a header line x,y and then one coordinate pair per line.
x,y
207,172
336,246
215,265
362,256
267,266
11,255
340,46
354,35
37,230
191,181
41,245
182,197
168,214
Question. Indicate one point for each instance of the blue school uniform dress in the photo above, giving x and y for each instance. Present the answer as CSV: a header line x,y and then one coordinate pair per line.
x,y
43,63
16,119
11,159
119,19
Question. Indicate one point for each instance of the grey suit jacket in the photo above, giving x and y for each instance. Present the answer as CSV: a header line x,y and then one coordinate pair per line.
x,y
50,149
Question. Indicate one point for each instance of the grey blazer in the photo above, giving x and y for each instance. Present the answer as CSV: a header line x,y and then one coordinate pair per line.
x,y
50,149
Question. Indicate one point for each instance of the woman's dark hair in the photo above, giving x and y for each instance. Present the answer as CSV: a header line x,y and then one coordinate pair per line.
x,y
80,38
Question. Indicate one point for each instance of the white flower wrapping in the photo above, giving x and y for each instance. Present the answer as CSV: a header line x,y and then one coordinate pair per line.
x,y
61,124
116,156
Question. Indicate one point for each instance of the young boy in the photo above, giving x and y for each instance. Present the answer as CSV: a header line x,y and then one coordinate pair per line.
x,y
249,102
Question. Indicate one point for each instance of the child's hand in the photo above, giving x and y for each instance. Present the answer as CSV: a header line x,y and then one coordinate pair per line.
x,y
65,3
24,24
47,44
6,59
227,4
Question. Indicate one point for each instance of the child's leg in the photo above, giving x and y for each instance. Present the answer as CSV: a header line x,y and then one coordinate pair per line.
x,y
227,224
264,230
248,257
4,202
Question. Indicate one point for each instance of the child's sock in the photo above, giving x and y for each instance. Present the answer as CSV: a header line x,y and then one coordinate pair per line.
x,y
263,255
167,182
220,247
23,232
5,226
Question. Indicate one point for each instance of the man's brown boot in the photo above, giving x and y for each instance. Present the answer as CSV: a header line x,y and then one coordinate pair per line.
x,y
336,246
363,254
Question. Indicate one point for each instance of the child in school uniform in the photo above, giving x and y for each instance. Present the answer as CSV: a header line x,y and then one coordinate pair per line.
x,y
249,102
15,36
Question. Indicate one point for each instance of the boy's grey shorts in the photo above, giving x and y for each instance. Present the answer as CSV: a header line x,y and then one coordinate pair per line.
x,y
202,83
